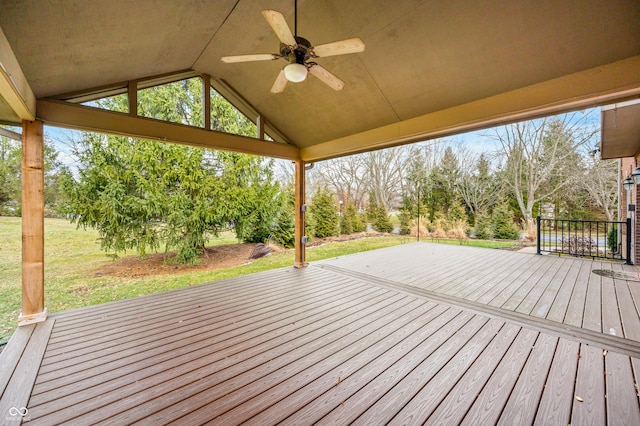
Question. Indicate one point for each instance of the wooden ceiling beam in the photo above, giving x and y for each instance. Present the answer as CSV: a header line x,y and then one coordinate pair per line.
x,y
73,116
14,87
586,89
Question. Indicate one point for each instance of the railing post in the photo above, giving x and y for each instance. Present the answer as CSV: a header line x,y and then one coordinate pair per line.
x,y
538,235
628,260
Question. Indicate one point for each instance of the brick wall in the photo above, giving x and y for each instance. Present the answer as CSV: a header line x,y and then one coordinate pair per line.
x,y
627,166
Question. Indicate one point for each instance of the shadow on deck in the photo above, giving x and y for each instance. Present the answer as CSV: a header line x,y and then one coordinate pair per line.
x,y
414,333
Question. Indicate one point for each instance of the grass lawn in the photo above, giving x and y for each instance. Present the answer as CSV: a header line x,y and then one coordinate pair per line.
x,y
72,256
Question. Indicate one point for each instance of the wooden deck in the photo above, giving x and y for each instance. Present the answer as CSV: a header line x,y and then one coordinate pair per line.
x,y
411,334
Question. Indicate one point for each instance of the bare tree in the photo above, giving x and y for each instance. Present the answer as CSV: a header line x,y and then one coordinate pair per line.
x,y
285,171
541,157
422,159
346,177
477,186
384,174
601,182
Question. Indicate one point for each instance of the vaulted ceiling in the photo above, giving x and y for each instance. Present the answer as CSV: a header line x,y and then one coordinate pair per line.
x,y
430,68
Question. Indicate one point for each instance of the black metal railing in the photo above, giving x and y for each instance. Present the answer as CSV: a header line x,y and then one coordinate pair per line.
x,y
585,238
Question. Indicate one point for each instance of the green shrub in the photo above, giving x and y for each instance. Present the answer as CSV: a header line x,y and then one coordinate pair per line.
x,y
612,239
502,225
324,214
483,226
284,229
382,223
346,224
457,214
405,222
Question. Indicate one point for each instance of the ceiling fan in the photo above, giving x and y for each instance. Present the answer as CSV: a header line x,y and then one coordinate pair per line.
x,y
299,53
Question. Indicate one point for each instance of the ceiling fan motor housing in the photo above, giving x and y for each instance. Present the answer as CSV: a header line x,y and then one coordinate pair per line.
x,y
300,50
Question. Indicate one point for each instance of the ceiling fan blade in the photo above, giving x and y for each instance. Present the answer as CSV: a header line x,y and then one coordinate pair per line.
x,y
249,58
342,47
280,83
279,26
326,77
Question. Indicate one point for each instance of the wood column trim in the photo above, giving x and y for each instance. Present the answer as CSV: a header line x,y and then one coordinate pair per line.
x,y
206,101
300,260
132,98
260,127
33,309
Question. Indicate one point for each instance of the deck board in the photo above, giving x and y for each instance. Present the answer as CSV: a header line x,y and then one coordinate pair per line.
x,y
180,329
385,408
537,278
334,385
531,300
378,377
628,312
471,380
557,397
265,375
523,403
590,389
576,308
383,336
560,305
592,317
488,406
144,361
11,355
366,396
611,322
18,389
621,397
191,369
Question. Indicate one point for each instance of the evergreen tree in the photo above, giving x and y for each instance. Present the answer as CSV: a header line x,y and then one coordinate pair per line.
x,y
382,223
11,175
457,213
324,214
405,221
502,225
10,171
260,203
143,195
372,209
346,227
284,231
357,222
483,226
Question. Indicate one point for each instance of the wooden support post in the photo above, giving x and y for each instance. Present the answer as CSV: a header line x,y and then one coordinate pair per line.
x,y
260,127
300,260
132,96
206,101
33,309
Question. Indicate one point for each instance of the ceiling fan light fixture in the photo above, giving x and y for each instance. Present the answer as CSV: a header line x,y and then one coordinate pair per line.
x,y
295,72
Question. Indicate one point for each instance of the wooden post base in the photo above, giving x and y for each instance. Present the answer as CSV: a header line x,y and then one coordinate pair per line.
x,y
33,318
